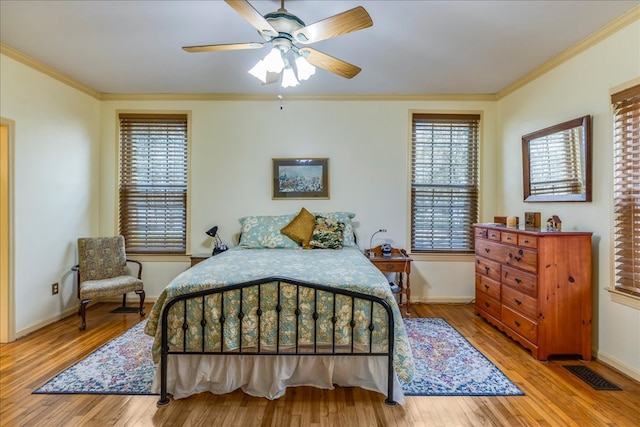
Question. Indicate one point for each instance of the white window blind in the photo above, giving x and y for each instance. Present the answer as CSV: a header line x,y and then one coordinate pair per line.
x,y
626,175
153,182
444,182
556,165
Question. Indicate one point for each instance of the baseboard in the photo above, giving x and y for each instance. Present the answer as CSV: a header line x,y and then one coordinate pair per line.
x,y
619,366
443,300
130,301
24,332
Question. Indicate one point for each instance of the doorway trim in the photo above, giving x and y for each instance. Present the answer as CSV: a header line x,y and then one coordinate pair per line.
x,y
7,288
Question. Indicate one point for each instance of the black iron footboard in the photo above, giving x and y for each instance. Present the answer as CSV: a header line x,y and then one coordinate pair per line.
x,y
291,350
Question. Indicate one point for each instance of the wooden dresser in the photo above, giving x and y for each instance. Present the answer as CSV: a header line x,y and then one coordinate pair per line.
x,y
535,286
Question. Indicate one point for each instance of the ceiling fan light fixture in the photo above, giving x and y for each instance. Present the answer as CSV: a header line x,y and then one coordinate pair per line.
x,y
274,62
289,78
305,70
259,71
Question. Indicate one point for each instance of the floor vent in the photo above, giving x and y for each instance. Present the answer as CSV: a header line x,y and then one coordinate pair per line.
x,y
125,310
591,378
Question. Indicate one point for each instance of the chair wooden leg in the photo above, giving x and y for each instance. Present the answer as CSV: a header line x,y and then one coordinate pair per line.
x,y
124,300
141,294
82,312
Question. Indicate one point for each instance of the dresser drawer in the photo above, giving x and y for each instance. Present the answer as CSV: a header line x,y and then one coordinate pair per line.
x,y
521,325
509,238
488,268
488,286
518,279
495,251
481,233
493,235
525,259
520,302
487,304
527,241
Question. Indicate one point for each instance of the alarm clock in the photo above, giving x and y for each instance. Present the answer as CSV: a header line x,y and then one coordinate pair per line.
x,y
386,250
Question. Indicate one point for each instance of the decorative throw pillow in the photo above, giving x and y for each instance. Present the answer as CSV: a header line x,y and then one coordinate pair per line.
x,y
301,228
327,234
345,218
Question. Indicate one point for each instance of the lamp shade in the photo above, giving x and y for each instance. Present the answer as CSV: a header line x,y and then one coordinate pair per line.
x,y
259,71
305,70
273,61
213,231
289,78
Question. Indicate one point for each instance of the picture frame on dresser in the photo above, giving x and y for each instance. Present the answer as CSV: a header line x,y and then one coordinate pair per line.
x,y
300,178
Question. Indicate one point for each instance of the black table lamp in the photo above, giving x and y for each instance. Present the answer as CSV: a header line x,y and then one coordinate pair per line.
x,y
218,246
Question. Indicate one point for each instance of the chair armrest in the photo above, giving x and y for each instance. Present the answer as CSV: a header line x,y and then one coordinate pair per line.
x,y
139,267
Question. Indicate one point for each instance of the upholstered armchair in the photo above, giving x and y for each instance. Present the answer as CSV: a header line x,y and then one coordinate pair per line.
x,y
103,271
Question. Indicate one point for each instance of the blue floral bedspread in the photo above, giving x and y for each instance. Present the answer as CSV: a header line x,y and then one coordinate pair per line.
x,y
347,268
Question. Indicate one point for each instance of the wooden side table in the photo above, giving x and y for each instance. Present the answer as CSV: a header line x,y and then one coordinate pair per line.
x,y
196,258
400,263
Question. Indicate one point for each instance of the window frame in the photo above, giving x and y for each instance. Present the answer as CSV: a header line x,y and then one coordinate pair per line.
x,y
156,255
624,293
452,253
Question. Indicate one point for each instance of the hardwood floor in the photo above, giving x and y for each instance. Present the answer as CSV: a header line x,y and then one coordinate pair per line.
x,y
553,396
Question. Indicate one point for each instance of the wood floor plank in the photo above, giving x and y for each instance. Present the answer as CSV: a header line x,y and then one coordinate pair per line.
x,y
553,396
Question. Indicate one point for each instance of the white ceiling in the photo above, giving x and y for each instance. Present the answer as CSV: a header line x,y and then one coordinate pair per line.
x,y
414,47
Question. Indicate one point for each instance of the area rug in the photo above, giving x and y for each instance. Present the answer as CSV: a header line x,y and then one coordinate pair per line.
x,y
446,365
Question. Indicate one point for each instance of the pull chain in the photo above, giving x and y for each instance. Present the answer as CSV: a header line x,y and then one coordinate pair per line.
x,y
280,98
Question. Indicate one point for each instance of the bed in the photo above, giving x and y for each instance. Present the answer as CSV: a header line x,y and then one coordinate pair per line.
x,y
267,316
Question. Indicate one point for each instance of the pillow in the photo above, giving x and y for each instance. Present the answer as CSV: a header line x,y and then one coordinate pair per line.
x,y
301,228
327,234
259,232
348,238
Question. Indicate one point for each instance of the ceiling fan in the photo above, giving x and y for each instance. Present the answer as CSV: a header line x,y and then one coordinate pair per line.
x,y
289,36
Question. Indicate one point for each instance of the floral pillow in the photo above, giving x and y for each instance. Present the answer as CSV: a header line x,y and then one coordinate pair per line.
x,y
327,234
348,238
259,232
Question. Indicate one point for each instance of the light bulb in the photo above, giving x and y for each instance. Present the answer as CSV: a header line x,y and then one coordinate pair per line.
x,y
289,78
305,70
259,71
273,61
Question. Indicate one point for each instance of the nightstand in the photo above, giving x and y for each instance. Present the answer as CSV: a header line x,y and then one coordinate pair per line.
x,y
196,258
400,263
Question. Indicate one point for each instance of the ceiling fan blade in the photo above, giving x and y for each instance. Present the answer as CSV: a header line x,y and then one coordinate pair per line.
x,y
254,17
329,63
342,23
218,47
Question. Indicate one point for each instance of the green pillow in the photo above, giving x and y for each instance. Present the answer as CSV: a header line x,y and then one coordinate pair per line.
x,y
327,234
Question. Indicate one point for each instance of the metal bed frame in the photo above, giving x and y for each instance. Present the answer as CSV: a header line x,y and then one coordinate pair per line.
x,y
373,300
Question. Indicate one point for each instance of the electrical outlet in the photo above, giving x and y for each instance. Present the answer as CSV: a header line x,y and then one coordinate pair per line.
x,y
54,289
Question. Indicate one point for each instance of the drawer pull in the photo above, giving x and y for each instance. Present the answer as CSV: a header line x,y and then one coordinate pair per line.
x,y
487,304
508,238
487,250
571,279
389,266
517,301
526,241
486,286
486,269
517,258
517,280
516,323
520,252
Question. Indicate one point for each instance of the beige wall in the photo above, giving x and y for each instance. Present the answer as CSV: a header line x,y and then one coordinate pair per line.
x,y
54,189
576,88
367,143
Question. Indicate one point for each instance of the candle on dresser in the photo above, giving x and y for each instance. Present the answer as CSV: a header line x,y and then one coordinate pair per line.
x,y
512,221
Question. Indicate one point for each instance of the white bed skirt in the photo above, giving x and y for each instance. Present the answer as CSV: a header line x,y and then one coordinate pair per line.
x,y
269,376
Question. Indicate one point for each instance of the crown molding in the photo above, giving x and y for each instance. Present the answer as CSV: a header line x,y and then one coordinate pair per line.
x,y
45,69
613,27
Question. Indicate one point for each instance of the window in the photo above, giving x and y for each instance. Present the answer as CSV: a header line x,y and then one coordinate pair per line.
x,y
153,182
626,181
444,182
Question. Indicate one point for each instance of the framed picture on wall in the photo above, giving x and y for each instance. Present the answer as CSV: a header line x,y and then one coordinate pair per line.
x,y
300,178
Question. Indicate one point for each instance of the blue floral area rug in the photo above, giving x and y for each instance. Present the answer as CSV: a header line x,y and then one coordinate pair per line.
x,y
446,365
